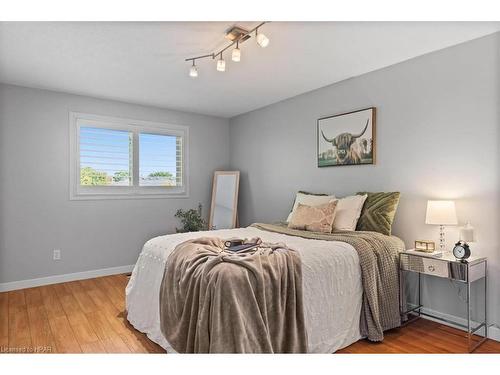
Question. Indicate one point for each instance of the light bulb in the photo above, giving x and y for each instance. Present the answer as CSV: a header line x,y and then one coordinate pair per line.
x,y
262,40
236,55
221,65
193,71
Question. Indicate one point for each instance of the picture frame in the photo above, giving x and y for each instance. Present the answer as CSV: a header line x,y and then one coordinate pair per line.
x,y
425,246
347,138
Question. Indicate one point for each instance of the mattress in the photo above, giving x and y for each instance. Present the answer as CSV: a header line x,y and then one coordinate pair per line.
x,y
331,278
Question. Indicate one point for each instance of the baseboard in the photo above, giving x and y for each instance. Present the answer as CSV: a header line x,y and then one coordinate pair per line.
x,y
22,284
493,331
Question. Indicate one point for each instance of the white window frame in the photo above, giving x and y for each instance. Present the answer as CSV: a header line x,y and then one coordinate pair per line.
x,y
78,192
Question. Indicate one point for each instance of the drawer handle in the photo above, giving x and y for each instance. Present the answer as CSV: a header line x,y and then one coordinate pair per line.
x,y
431,268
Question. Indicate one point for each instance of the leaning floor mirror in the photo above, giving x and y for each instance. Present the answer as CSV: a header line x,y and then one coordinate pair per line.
x,y
224,208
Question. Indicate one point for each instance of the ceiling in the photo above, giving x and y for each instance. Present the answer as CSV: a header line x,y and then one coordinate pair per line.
x,y
144,63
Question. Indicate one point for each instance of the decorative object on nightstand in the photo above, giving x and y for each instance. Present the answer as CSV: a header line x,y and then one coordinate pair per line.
x,y
425,246
441,213
461,251
447,267
467,233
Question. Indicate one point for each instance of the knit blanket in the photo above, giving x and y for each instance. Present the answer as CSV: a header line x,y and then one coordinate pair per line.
x,y
378,257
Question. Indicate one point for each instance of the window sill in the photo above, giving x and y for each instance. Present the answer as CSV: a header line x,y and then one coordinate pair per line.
x,y
134,195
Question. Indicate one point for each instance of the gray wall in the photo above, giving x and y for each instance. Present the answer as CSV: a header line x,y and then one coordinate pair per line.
x,y
437,137
36,215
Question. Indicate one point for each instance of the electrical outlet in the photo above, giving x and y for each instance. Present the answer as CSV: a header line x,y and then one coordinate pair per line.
x,y
57,254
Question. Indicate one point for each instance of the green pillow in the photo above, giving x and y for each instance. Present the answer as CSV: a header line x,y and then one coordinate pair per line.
x,y
378,212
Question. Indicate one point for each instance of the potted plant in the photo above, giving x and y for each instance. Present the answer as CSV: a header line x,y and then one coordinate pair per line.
x,y
191,220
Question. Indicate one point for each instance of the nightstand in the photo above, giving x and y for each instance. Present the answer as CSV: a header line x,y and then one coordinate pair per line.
x,y
446,266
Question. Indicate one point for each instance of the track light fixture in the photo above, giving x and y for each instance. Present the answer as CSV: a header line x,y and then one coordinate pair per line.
x,y
262,40
237,35
236,54
221,64
193,71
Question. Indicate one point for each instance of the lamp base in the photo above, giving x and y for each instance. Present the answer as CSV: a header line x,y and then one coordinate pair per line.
x,y
441,238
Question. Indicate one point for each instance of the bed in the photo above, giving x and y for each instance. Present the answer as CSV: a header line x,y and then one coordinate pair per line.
x,y
332,284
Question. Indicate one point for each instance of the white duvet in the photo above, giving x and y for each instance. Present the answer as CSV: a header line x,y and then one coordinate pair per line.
x,y
331,277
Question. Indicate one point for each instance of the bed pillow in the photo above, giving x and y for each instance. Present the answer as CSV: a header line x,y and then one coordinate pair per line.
x,y
378,212
348,212
314,218
309,199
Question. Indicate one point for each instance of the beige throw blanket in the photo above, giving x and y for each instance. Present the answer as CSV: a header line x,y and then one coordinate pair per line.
x,y
216,301
378,257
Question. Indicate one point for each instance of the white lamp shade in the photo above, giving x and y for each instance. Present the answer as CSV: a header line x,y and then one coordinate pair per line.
x,y
193,71
221,65
441,213
236,55
262,40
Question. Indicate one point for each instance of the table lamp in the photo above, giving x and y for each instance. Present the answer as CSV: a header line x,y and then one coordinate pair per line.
x,y
441,213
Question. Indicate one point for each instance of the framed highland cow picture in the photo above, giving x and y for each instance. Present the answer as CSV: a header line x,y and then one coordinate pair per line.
x,y
347,138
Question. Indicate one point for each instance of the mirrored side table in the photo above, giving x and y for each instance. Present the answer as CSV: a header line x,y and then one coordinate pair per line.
x,y
446,266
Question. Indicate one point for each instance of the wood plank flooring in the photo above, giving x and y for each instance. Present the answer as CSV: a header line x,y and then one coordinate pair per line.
x,y
84,316
88,316
421,337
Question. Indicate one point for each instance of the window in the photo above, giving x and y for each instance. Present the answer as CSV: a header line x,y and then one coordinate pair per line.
x,y
105,157
118,158
160,162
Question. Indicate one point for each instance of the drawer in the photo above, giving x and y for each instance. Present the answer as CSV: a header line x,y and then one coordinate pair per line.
x,y
435,267
429,266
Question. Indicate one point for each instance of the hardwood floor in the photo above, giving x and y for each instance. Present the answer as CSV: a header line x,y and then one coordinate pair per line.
x,y
84,316
421,337
88,316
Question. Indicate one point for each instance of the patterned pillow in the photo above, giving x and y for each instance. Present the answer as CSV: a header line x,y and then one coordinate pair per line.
x,y
310,199
314,218
378,212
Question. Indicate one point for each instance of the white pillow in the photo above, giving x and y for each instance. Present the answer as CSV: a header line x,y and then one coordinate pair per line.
x,y
309,200
348,212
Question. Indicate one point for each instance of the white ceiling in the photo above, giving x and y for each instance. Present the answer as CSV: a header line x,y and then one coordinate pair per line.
x,y
144,62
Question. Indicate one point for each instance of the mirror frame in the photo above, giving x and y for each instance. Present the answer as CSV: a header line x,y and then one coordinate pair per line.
x,y
214,192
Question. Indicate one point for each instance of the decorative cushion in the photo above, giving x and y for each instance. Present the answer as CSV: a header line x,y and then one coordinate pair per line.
x,y
378,212
314,218
347,212
309,199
